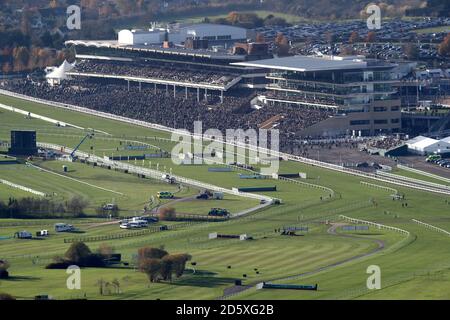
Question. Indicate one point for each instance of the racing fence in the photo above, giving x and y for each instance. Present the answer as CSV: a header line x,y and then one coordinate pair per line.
x,y
23,188
423,173
378,225
123,235
377,186
429,226
284,156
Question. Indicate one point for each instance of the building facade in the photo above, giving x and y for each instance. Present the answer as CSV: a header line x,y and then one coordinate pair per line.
x,y
361,92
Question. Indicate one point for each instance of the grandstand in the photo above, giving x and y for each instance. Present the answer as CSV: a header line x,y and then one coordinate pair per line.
x,y
359,90
186,59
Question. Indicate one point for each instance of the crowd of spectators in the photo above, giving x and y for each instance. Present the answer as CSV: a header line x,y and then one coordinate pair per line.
x,y
305,98
155,70
385,143
178,112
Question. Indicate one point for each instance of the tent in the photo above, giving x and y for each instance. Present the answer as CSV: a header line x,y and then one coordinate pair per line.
x,y
57,74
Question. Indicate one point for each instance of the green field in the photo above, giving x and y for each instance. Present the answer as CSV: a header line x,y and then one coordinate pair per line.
x,y
335,260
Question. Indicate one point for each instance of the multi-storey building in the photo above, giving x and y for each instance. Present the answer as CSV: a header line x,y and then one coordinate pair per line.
x,y
359,90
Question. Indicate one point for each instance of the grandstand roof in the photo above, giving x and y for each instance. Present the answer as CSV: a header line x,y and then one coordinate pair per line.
x,y
180,51
60,72
306,63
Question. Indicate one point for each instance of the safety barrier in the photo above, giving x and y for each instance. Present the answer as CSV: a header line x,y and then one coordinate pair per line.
x,y
284,156
423,173
429,226
378,225
23,188
413,180
379,187
116,236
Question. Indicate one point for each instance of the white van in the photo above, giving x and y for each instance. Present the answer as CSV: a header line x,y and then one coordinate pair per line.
x,y
63,227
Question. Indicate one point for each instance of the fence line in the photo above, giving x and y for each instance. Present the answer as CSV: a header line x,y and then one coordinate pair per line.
x,y
423,173
378,186
73,179
378,225
23,188
37,116
128,234
417,181
284,156
429,226
155,174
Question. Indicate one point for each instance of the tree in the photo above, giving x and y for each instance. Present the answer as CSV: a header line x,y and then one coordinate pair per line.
x,y
233,17
116,284
354,37
157,264
101,286
260,38
179,262
4,266
151,253
167,213
25,22
282,44
21,55
78,253
411,50
166,264
152,268
444,47
76,205
105,250
371,37
6,296
330,37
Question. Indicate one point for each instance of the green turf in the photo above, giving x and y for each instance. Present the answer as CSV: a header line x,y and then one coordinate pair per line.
x,y
406,263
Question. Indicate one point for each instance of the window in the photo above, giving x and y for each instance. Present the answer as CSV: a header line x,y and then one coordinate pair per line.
x,y
396,108
396,120
379,109
380,121
359,122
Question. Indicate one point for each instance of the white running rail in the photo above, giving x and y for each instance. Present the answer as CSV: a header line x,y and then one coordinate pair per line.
x,y
155,174
23,188
284,156
429,226
423,173
378,225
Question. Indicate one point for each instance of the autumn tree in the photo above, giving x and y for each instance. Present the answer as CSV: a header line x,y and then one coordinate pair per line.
x,y
158,264
105,250
444,47
282,44
411,51
151,267
78,252
260,38
21,55
167,213
371,37
354,37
